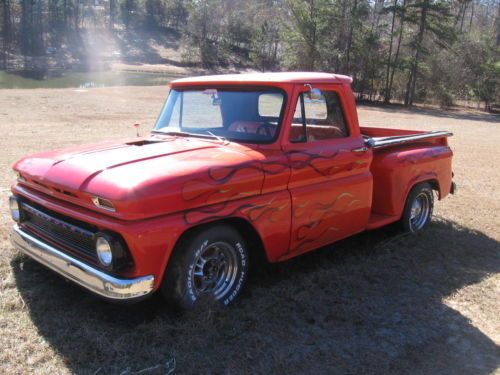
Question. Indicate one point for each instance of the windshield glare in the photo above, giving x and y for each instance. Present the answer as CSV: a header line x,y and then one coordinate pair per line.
x,y
238,115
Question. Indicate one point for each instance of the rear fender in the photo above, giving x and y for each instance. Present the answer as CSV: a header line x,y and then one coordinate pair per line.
x,y
397,171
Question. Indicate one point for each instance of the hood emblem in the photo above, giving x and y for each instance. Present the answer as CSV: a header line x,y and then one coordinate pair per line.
x,y
105,204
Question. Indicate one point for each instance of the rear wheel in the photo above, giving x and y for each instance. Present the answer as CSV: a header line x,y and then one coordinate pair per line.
x,y
418,208
209,266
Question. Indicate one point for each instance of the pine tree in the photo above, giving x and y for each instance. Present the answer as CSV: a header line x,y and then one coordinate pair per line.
x,y
433,18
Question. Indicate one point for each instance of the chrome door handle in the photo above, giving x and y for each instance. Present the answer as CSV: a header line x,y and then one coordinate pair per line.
x,y
359,150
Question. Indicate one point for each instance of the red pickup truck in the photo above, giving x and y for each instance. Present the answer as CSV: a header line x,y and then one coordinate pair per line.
x,y
236,165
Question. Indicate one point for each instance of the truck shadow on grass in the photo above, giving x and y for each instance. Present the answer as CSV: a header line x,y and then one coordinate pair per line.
x,y
369,304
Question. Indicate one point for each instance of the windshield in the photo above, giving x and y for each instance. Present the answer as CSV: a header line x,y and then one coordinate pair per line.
x,y
238,115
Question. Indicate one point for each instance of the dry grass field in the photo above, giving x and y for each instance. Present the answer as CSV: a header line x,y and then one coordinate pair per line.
x,y
376,303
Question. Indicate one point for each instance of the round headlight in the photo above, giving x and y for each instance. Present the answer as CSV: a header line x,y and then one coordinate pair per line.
x,y
103,249
15,210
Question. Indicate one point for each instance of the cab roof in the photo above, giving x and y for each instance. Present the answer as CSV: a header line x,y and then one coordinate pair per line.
x,y
256,78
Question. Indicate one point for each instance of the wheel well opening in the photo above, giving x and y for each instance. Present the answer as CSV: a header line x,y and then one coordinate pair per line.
x,y
254,242
435,186
256,248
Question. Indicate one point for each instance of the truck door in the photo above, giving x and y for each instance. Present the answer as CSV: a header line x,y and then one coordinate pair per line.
x,y
330,182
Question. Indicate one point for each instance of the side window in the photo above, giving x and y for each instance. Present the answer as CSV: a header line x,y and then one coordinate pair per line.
x,y
318,116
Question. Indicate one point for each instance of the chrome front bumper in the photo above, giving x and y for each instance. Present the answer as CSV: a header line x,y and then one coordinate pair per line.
x,y
75,270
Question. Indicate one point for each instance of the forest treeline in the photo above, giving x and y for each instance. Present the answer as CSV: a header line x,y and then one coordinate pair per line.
x,y
443,51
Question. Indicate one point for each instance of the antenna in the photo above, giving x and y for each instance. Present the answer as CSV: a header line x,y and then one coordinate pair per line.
x,y
136,126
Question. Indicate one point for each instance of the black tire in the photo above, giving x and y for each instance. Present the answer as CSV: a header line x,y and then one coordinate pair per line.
x,y
418,209
209,266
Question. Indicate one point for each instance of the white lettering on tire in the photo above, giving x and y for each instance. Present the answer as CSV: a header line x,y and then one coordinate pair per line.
x,y
189,280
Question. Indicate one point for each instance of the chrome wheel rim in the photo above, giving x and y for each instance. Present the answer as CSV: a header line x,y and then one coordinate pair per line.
x,y
420,211
215,269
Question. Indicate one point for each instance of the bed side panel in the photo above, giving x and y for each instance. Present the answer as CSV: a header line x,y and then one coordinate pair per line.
x,y
396,170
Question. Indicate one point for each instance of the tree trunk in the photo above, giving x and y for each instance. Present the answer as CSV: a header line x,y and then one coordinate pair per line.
x,y
460,11
396,55
414,69
40,41
312,45
497,21
349,38
471,16
463,16
111,14
387,95
25,31
65,5
6,32
407,92
76,15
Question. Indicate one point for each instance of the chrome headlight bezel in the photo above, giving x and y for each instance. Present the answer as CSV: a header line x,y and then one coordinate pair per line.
x,y
104,250
111,251
15,209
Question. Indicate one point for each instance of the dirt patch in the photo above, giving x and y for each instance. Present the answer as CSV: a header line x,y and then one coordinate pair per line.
x,y
375,303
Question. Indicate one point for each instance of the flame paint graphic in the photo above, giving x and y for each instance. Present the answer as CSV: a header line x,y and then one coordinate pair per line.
x,y
302,159
432,153
316,227
217,178
195,189
254,212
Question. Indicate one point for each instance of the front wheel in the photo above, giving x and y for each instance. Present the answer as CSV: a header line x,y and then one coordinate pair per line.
x,y
209,266
418,208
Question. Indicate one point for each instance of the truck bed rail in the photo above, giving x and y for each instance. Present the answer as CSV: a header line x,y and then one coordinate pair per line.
x,y
379,142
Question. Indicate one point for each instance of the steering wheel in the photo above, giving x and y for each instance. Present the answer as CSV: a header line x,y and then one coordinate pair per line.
x,y
266,128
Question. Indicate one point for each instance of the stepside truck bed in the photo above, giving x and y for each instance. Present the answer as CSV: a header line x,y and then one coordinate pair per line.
x,y
402,158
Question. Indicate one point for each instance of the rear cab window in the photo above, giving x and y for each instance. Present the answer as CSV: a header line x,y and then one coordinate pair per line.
x,y
318,116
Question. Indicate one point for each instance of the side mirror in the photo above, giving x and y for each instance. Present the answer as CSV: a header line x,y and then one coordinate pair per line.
x,y
314,93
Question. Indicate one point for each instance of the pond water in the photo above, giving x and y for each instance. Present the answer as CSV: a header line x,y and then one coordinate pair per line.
x,y
85,80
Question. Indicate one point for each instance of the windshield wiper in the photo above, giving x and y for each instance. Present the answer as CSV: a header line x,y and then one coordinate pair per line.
x,y
222,139
186,134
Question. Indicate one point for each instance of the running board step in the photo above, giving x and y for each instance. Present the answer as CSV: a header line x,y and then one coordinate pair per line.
x,y
377,220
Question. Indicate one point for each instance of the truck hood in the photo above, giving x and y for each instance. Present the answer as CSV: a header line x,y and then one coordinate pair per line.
x,y
146,177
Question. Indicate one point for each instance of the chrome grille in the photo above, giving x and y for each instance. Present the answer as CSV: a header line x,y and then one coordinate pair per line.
x,y
58,230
